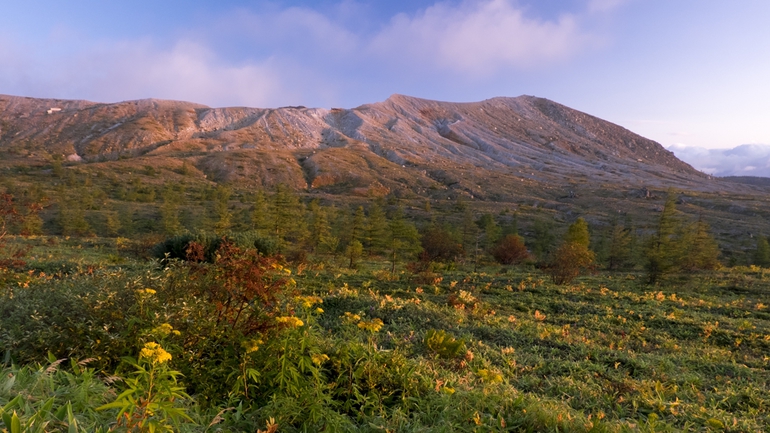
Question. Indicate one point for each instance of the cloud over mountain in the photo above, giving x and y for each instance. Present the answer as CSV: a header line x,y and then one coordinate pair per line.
x,y
480,38
281,55
743,160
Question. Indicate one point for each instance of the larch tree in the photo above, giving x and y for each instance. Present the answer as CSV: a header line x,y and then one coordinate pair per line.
x,y
223,216
259,214
619,247
678,245
762,252
377,230
573,257
403,239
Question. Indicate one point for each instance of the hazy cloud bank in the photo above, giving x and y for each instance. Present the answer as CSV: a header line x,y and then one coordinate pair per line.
x,y
744,160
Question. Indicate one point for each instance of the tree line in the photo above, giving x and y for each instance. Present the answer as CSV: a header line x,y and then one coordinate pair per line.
x,y
381,228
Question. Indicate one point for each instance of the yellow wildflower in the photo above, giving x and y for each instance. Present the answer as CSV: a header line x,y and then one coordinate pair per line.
x,y
319,359
372,326
309,301
490,376
164,330
349,317
319,310
154,353
291,321
251,345
146,291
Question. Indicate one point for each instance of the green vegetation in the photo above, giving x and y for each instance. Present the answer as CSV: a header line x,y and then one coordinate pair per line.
x,y
376,317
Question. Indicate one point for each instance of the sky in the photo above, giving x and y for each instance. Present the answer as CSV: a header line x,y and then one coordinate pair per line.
x,y
692,75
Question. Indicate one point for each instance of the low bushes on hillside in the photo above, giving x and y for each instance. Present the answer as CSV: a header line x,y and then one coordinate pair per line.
x,y
176,247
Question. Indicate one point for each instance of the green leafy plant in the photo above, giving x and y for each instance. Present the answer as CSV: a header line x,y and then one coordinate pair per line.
x,y
443,344
152,399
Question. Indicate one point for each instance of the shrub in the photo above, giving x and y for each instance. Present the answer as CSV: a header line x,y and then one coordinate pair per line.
x,y
443,344
439,245
176,247
569,261
510,250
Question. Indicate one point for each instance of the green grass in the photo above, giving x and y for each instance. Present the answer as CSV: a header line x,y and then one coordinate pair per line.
x,y
607,353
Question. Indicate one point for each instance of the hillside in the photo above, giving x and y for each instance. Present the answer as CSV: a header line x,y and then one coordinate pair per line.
x,y
523,153
423,143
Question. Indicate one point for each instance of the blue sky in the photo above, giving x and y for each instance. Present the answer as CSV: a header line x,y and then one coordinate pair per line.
x,y
690,74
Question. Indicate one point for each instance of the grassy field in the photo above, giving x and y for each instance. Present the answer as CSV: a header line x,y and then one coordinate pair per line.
x,y
318,347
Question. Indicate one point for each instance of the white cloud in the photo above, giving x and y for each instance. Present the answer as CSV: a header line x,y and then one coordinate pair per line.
x,y
139,69
299,55
188,71
479,38
744,160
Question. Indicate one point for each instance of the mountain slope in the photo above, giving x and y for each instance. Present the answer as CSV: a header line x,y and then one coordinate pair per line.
x,y
424,143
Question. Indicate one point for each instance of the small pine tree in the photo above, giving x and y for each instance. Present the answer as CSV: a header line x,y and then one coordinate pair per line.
x,y
112,223
403,239
544,238
619,253
663,249
762,253
222,213
678,246
491,230
353,252
321,237
169,212
259,214
377,230
287,215
702,251
573,257
56,166
578,233
358,225
469,231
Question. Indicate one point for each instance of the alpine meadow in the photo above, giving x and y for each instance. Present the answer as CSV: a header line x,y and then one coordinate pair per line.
x,y
403,266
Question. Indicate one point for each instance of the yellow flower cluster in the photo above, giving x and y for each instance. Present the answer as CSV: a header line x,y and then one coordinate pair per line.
x,y
467,297
154,353
164,330
490,376
291,321
280,268
373,325
145,292
350,318
320,358
251,345
309,301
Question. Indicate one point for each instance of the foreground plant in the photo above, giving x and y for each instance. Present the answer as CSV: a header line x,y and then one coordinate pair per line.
x,y
151,400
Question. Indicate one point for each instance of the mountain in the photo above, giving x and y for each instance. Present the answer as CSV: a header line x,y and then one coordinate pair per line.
x,y
424,143
522,151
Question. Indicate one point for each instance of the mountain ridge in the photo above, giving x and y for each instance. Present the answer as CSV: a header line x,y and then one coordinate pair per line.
x,y
422,142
